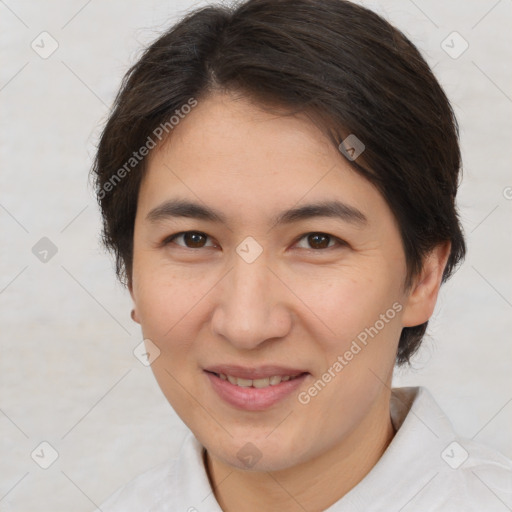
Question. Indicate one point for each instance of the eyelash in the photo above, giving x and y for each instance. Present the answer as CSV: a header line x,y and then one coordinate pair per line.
x,y
340,242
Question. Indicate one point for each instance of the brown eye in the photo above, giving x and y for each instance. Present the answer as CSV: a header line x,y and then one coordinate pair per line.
x,y
317,241
194,240
191,239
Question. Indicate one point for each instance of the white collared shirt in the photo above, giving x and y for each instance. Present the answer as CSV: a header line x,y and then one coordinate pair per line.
x,y
427,467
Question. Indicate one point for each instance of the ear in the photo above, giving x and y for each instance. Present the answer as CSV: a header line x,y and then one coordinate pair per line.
x,y
422,295
134,315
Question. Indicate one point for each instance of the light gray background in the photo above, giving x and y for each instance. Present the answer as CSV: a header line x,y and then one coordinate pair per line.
x,y
67,372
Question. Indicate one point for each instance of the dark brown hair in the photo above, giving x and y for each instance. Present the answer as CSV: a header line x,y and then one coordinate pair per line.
x,y
344,66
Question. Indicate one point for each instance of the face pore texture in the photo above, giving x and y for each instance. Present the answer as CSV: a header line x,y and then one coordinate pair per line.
x,y
296,305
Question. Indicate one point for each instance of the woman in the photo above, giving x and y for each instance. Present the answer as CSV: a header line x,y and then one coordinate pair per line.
x,y
277,182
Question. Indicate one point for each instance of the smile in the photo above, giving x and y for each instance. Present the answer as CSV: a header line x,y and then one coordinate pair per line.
x,y
256,383
255,394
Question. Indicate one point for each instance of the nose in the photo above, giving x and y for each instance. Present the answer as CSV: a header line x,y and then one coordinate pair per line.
x,y
251,305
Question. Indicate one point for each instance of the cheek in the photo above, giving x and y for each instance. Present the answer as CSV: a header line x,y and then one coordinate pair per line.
x,y
361,314
346,301
359,349
172,307
165,297
168,305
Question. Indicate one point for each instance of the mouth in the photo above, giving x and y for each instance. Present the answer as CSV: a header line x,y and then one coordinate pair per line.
x,y
254,389
264,382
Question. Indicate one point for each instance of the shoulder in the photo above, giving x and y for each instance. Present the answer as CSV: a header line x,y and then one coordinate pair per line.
x,y
145,491
180,481
428,467
472,477
479,470
455,473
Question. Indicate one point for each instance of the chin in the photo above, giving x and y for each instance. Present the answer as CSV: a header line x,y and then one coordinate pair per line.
x,y
276,462
253,453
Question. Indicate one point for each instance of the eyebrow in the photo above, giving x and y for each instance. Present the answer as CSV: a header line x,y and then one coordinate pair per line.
x,y
175,208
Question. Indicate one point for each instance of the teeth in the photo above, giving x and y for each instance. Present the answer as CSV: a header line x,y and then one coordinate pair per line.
x,y
261,383
257,383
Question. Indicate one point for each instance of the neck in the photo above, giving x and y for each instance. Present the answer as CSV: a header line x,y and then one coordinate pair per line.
x,y
313,485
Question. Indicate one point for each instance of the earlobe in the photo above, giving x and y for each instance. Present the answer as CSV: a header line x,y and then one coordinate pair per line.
x,y
133,314
423,293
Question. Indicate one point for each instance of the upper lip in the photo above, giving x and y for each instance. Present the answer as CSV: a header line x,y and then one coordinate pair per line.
x,y
260,372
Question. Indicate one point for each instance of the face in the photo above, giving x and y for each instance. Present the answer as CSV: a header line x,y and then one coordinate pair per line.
x,y
255,294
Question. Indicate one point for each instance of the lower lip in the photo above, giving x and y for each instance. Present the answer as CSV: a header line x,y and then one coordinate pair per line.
x,y
254,399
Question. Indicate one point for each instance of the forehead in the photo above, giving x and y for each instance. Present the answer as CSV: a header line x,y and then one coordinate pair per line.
x,y
235,129
229,149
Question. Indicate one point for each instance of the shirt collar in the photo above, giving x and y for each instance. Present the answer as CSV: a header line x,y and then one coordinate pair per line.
x,y
412,458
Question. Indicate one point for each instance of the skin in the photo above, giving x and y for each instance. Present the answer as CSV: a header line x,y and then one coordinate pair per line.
x,y
296,305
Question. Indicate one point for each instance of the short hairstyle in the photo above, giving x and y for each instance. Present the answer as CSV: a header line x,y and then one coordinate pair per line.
x,y
342,65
